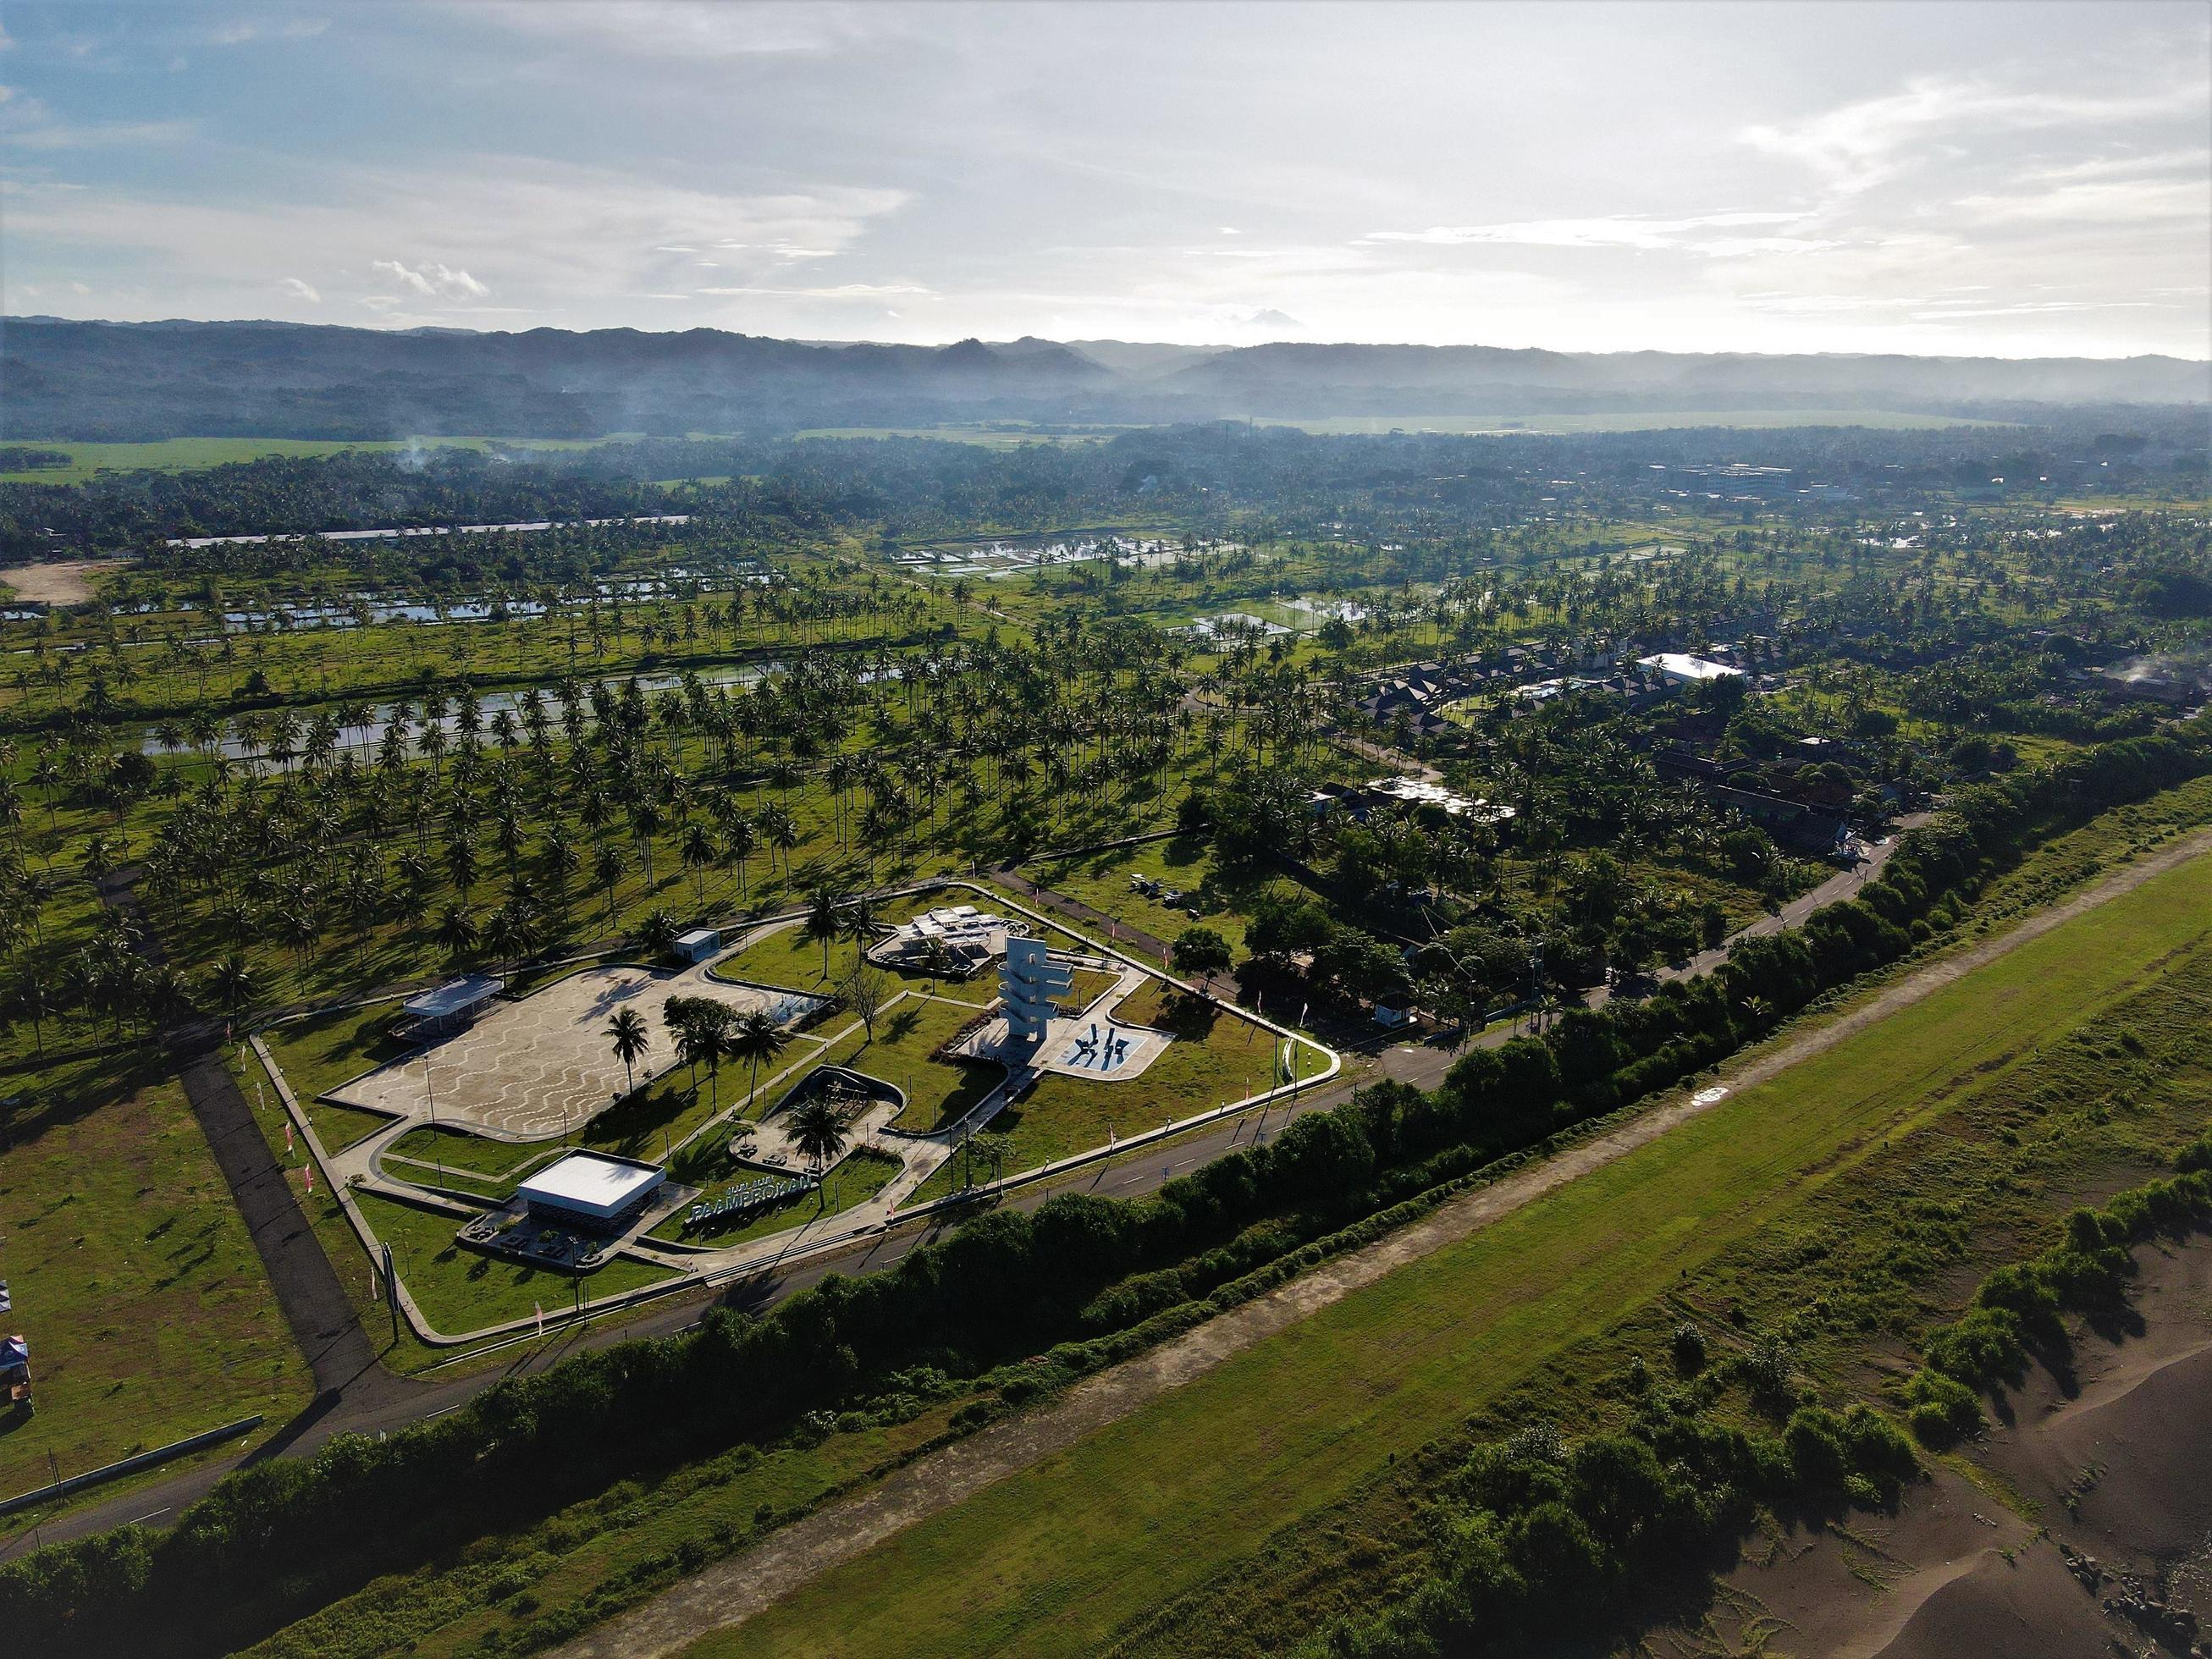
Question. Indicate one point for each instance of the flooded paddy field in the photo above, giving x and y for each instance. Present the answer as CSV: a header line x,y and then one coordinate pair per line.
x,y
1011,556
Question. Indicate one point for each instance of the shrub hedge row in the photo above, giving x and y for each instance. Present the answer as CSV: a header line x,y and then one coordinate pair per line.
x,y
2020,1305
1538,1539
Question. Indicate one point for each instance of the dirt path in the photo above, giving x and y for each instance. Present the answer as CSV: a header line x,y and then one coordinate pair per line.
x,y
731,1591
64,581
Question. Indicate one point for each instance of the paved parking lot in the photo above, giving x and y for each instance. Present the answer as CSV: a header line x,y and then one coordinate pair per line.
x,y
526,1070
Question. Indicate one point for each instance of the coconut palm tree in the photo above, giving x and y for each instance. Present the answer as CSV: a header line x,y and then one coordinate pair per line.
x,y
627,1032
697,851
825,920
233,984
658,932
740,839
607,867
819,1131
754,1038
781,830
457,931
711,1044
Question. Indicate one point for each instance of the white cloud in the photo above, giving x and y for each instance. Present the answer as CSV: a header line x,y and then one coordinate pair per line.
x,y
433,281
689,30
1616,231
293,29
1856,146
563,238
299,290
27,122
841,291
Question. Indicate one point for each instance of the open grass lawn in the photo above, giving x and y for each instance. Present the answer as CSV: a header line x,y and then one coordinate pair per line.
x,y
460,1290
133,1279
339,1127
789,959
1060,1558
1102,881
1158,1004
1087,986
457,1150
653,1122
858,1178
1219,1058
908,1034
320,1051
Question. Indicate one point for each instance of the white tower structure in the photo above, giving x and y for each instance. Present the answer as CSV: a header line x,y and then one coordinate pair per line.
x,y
1028,981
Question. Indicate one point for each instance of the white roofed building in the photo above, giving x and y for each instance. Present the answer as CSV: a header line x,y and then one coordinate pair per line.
x,y
1680,668
591,1190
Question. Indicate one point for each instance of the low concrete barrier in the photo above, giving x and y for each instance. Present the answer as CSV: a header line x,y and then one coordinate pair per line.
x,y
145,1460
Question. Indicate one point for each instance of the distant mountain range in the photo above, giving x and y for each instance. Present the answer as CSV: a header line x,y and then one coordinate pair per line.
x,y
121,381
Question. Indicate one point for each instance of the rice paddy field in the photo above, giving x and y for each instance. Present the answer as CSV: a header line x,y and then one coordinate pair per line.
x,y
1074,1552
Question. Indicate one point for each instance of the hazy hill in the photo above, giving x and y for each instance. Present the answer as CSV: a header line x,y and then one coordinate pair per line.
x,y
1328,377
90,380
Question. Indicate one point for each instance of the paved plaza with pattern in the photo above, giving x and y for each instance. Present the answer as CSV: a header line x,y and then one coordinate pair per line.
x,y
530,1070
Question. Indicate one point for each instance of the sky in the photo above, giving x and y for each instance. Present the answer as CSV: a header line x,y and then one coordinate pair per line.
x,y
1981,179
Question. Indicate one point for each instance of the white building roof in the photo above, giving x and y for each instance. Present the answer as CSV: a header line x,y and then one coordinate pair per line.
x,y
590,1184
1681,665
1419,792
698,936
454,996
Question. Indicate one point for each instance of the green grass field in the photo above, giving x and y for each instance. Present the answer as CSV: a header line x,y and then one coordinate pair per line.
x,y
195,454
1630,420
1060,1559
457,1151
908,1034
788,958
460,1290
1102,881
133,1279
1215,1058
985,437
